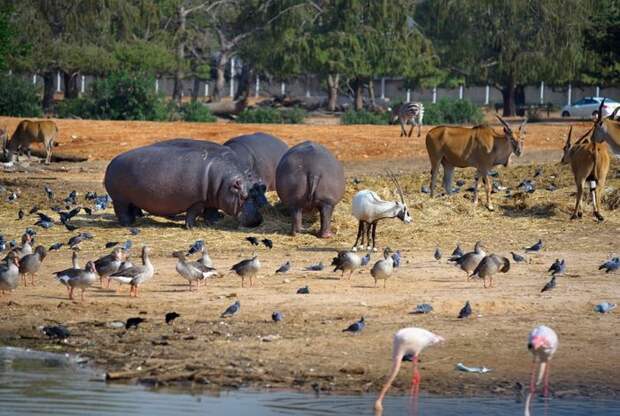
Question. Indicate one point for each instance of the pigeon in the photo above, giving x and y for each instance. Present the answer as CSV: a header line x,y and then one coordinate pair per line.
x,y
276,316
12,197
33,210
49,192
284,268
611,265
44,217
366,259
268,243
460,182
30,231
101,202
425,189
71,199
20,214
538,172
356,181
196,247
87,236
493,173
303,290
65,216
437,254
605,307
396,256
171,316
55,246
75,240
458,251
550,285
356,327
56,332
315,267
44,224
558,267
133,322
88,211
89,196
465,311
127,245
111,244
134,231
517,257
423,308
527,185
231,310
69,226
536,247
252,240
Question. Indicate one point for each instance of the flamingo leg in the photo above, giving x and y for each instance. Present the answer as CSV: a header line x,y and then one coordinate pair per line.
x,y
533,378
546,382
396,361
415,378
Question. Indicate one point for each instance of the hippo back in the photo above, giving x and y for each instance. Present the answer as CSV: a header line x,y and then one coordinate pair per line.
x,y
308,176
261,153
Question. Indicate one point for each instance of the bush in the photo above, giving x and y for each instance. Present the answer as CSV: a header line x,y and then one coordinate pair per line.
x,y
268,115
364,117
121,96
196,112
452,111
18,98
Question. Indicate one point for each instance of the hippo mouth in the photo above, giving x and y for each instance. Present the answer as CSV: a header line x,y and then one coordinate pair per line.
x,y
250,215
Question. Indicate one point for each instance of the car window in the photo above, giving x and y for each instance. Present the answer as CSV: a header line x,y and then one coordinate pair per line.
x,y
580,102
610,101
589,101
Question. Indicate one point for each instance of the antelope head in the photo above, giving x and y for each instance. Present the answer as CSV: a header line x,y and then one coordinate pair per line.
x,y
600,129
403,212
516,141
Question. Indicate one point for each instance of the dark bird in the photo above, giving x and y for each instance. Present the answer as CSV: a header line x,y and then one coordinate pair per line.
x,y
171,316
69,226
102,202
134,322
56,332
284,268
460,182
88,210
49,192
196,247
315,267
356,327
408,357
425,189
356,181
87,236
111,244
30,231
252,240
72,198
538,172
517,257
396,256
610,265
20,214
527,185
267,242
558,267
457,252
44,224
303,290
366,259
465,311
75,240
12,197
55,247
134,231
550,285
33,210
423,308
67,215
493,173
89,196
231,310
536,247
437,254
276,316
44,217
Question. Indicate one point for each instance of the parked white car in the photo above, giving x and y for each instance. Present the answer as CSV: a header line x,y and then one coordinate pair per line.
x,y
587,107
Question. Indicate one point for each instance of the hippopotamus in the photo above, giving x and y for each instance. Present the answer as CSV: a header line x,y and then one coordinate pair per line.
x,y
309,176
261,153
182,175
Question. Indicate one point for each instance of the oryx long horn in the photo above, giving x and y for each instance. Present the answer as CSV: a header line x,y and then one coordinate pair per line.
x,y
501,120
398,188
613,114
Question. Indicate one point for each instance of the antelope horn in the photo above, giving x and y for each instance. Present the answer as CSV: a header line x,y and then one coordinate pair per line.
x,y
582,138
613,114
398,188
599,115
501,120
523,124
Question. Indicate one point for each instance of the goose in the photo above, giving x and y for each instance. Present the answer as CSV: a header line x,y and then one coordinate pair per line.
x,y
193,271
9,274
346,261
31,263
468,261
247,268
136,275
75,278
109,264
490,265
383,268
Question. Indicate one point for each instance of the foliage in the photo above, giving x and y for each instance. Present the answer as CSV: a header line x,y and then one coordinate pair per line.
x,y
452,111
364,117
18,98
602,37
121,96
267,115
198,112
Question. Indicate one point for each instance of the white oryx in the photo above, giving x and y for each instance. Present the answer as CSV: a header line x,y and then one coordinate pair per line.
x,y
368,208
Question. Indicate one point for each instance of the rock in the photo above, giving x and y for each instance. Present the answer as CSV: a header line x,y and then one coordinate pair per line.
x,y
270,338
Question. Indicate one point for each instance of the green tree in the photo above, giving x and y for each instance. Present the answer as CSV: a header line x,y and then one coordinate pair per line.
x,y
507,42
602,37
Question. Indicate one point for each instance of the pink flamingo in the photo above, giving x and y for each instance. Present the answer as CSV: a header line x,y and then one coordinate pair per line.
x,y
542,342
407,341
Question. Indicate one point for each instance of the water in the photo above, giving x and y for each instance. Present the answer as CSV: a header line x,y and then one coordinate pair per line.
x,y
42,383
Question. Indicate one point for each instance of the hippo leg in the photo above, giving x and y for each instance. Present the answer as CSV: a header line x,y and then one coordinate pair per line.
x,y
191,214
211,215
296,214
326,219
124,212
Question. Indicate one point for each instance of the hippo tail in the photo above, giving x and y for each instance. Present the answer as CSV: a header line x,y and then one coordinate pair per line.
x,y
313,183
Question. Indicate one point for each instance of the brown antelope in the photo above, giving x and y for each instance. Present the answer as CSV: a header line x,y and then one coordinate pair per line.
x,y
480,147
607,129
27,132
588,161
4,137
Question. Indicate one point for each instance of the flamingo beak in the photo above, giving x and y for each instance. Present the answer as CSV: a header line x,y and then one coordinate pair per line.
x,y
439,339
537,342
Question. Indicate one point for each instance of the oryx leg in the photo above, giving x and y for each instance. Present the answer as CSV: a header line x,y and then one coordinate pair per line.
x,y
360,229
368,230
374,235
448,171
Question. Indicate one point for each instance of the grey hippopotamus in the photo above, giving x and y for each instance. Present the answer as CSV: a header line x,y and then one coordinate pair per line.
x,y
261,153
309,176
182,175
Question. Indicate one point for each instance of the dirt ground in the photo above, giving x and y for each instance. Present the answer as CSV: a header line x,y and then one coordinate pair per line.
x,y
308,350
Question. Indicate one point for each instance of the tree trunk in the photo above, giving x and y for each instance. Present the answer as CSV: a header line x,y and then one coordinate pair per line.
x,y
371,94
508,96
243,88
177,91
220,71
48,91
71,85
332,91
195,89
358,85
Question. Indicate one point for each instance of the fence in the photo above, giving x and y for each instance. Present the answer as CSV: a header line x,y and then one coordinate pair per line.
x,y
389,90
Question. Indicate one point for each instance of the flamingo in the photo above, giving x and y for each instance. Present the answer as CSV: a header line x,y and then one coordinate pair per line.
x,y
542,342
408,341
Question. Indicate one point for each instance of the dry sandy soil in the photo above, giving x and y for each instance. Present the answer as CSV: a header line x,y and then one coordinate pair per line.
x,y
308,349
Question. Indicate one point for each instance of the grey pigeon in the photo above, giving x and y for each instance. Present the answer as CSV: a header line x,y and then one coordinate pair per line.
x,y
423,308
458,251
56,332
536,247
465,311
550,285
425,189
397,258
356,327
196,247
284,268
315,267
231,310
605,307
517,257
303,290
558,267
366,259
610,265
437,254
276,316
